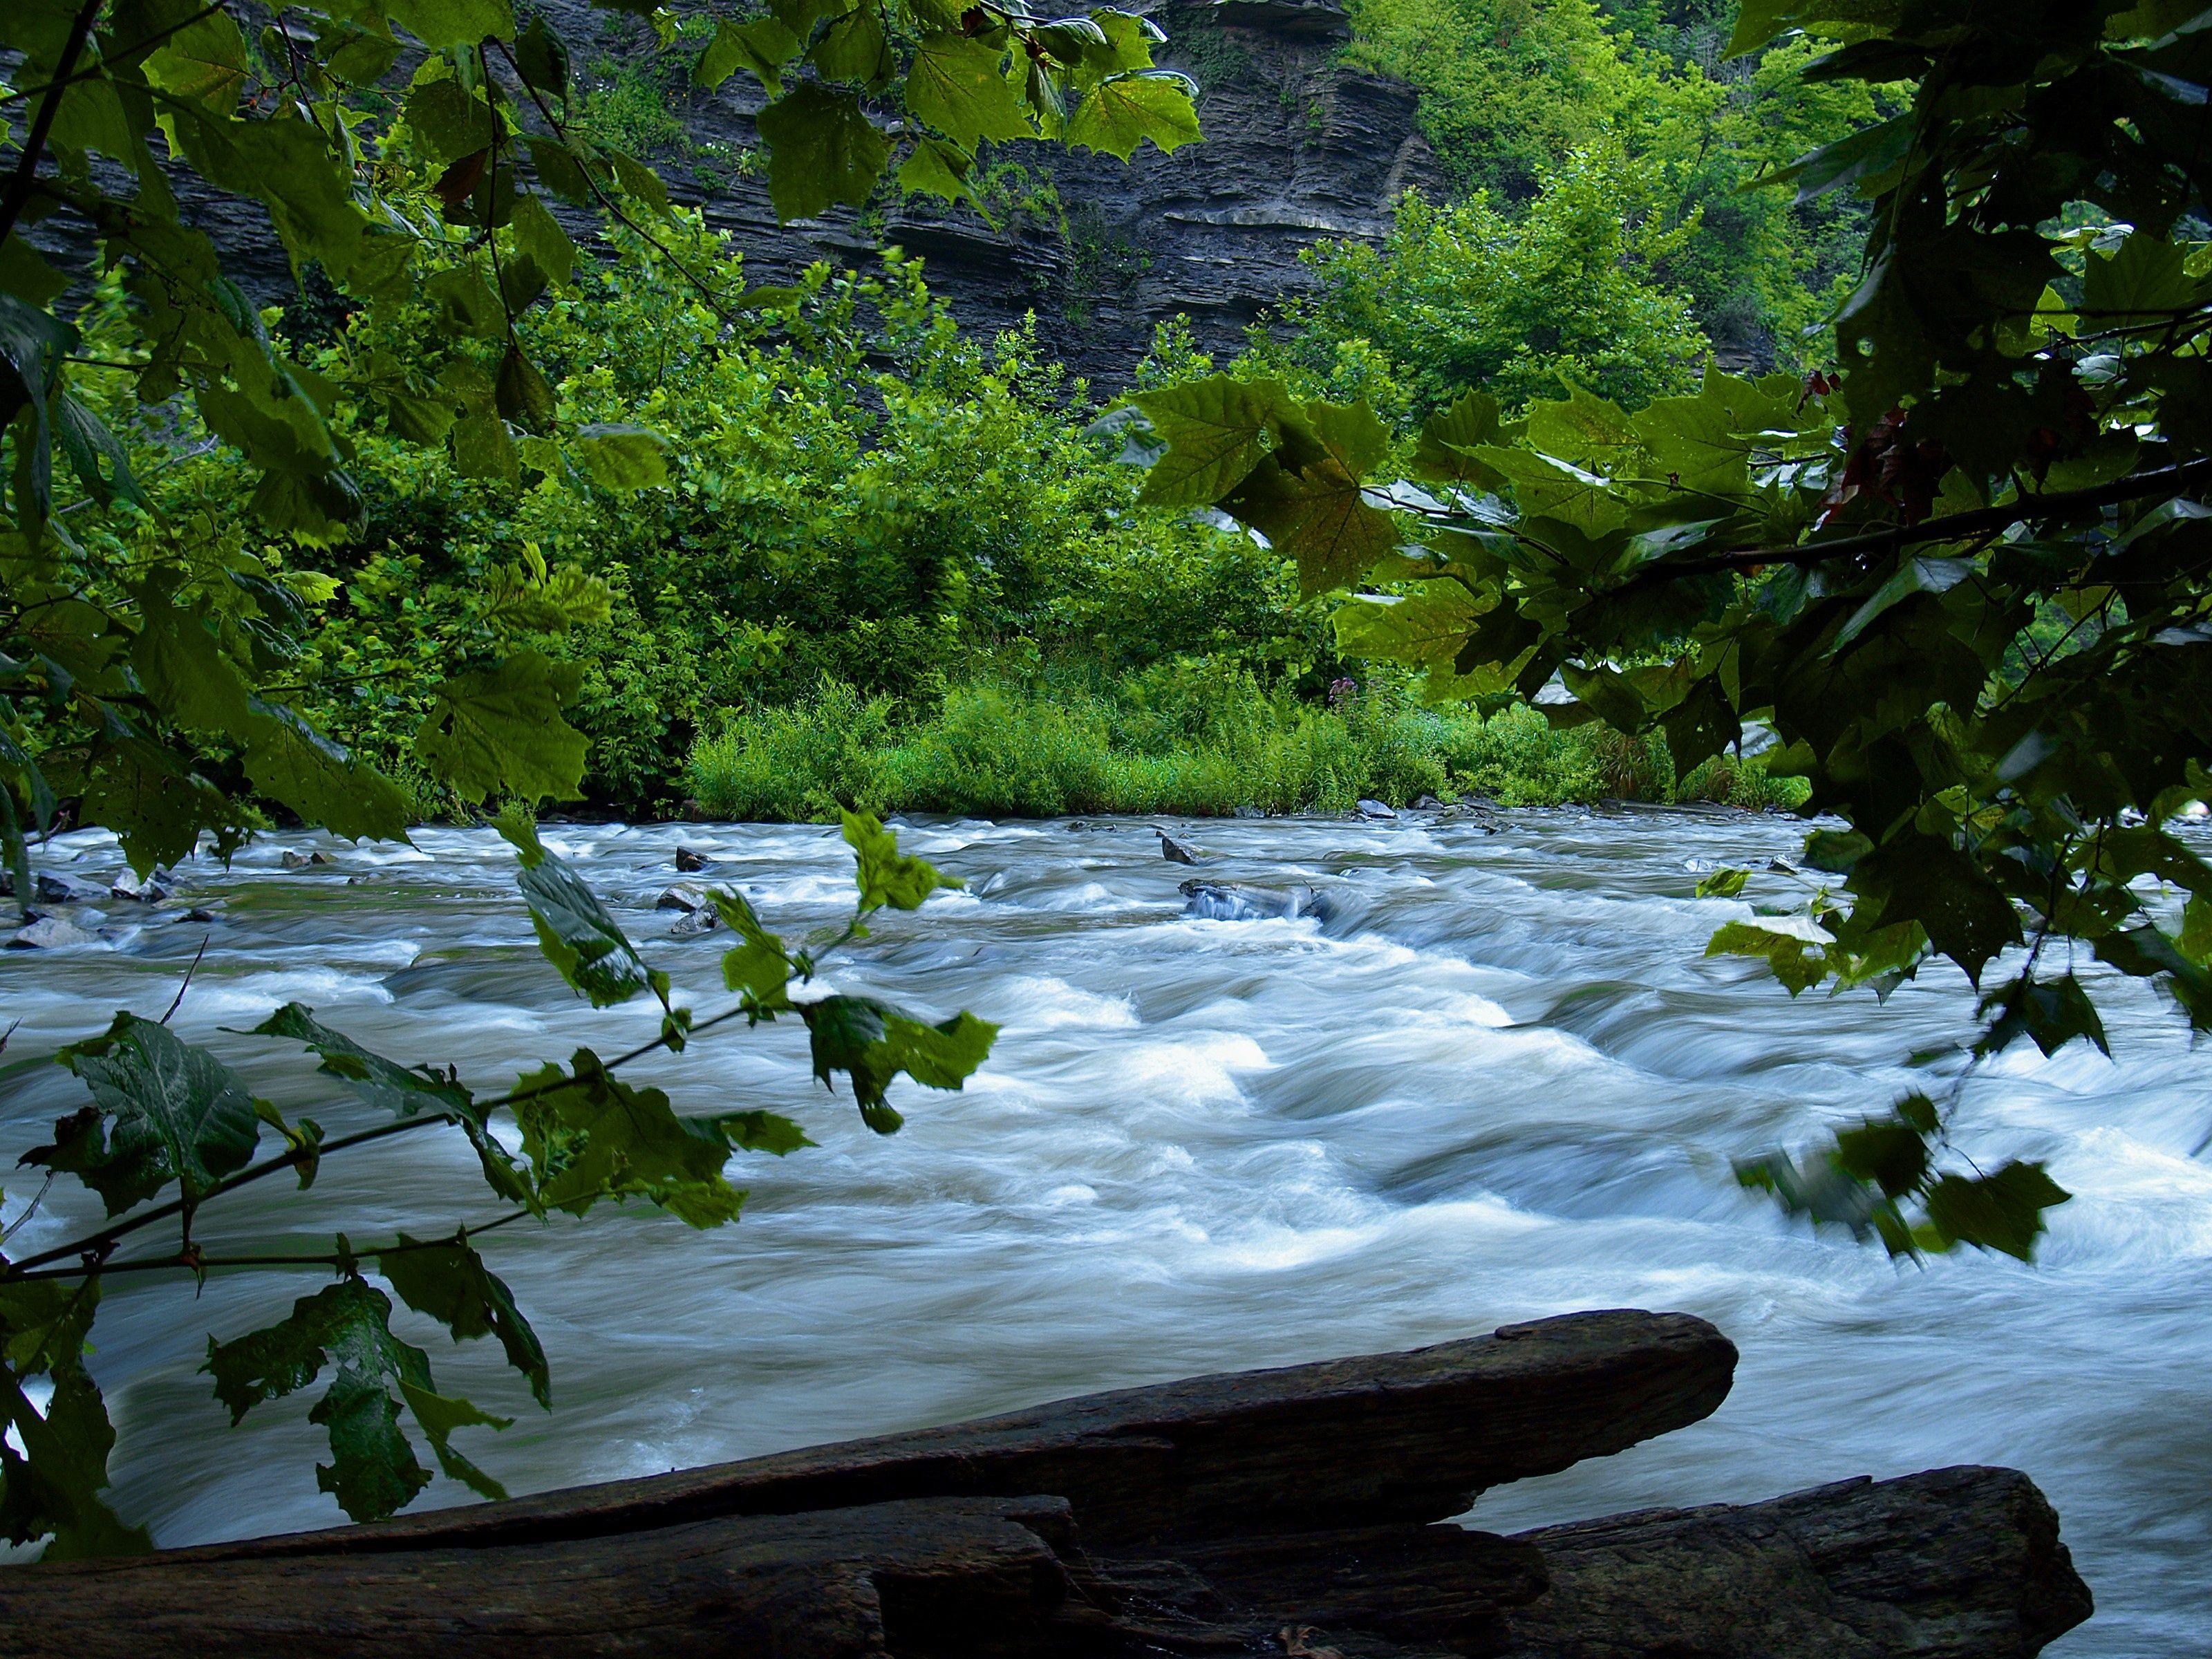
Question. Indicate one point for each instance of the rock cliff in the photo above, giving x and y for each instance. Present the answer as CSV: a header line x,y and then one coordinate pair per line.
x,y
1297,148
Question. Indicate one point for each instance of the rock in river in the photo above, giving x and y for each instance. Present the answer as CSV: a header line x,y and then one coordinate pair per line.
x,y
1232,901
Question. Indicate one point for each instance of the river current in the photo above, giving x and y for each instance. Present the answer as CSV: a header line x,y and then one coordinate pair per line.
x,y
1501,1081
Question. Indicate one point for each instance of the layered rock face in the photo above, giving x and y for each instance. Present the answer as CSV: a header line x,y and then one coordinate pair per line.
x,y
1297,148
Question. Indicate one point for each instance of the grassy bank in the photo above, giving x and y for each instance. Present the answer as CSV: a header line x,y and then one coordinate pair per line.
x,y
1192,745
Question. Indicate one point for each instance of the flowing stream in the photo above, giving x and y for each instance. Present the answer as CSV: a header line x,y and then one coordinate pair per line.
x,y
1500,1081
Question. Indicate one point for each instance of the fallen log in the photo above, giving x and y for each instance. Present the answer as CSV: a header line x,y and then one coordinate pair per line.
x,y
1401,1437
1952,1563
1293,1512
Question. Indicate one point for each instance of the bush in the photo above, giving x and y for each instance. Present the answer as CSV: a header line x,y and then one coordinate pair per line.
x,y
1191,739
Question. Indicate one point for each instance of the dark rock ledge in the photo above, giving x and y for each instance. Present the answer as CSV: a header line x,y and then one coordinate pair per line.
x,y
1301,1511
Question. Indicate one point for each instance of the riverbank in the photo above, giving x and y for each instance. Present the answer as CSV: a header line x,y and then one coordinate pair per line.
x,y
1215,747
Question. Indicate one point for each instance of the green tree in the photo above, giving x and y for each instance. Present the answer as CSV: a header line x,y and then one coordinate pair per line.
x,y
149,665
1523,306
1968,582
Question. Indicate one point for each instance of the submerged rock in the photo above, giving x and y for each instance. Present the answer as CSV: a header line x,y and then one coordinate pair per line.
x,y
150,891
66,889
704,920
49,934
1233,901
1173,851
297,860
689,861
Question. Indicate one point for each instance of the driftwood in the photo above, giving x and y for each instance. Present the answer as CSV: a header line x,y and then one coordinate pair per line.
x,y
1940,1565
1287,1511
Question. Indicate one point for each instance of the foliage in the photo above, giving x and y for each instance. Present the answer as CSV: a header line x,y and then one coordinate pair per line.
x,y
156,664
1868,562
1564,293
1194,739
1512,92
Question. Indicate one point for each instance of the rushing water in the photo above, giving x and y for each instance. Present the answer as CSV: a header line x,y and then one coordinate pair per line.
x,y
1500,1082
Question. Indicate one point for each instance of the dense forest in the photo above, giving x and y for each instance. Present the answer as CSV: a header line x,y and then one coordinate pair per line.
x,y
1801,405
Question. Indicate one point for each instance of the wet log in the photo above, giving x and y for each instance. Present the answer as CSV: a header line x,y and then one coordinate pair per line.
x,y
1384,1439
930,1579
1952,1563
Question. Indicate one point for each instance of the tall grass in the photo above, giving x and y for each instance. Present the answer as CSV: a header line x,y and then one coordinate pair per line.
x,y
1172,741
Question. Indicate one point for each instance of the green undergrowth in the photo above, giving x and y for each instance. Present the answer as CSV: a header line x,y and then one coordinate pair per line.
x,y
1195,743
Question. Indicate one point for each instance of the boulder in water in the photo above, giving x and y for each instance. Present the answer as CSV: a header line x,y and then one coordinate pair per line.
x,y
689,861
66,889
704,920
1376,811
683,895
48,933
1233,901
148,891
298,860
1173,851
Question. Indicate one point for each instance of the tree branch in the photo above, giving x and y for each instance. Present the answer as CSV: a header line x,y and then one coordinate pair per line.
x,y
34,141
1958,527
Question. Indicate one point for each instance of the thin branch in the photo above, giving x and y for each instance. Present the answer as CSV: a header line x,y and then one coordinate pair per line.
x,y
179,1000
1958,527
34,141
191,1261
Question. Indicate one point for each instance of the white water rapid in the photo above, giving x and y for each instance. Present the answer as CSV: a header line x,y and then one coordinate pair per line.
x,y
1500,1082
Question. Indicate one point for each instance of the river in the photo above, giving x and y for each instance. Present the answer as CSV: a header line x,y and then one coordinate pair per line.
x,y
1501,1082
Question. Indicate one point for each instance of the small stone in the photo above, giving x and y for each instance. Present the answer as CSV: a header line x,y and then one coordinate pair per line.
x,y
1173,851
1250,812
1428,804
1375,809
196,915
360,880
689,861
1782,866
148,891
298,860
48,933
704,920
682,897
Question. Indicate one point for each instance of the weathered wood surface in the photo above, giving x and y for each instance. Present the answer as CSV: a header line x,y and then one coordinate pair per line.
x,y
1280,1512
1952,1563
858,1584
1384,1438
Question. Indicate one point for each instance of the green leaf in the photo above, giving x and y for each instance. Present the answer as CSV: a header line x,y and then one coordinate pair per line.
x,y
590,1136
1920,878
872,1042
53,1461
1891,1152
1319,516
958,86
500,731
1792,946
439,24
577,935
937,168
763,45
1449,438
884,874
451,1284
2000,1212
1217,430
287,758
372,1472
1723,883
1121,112
758,966
203,62
622,457
524,396
182,668
2051,1013
167,1111
402,1090
822,148
541,58
1915,575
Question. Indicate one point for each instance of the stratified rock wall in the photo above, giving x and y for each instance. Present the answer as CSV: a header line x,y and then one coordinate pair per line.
x,y
1297,148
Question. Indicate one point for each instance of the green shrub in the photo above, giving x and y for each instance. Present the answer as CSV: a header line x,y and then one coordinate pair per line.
x,y
1192,739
